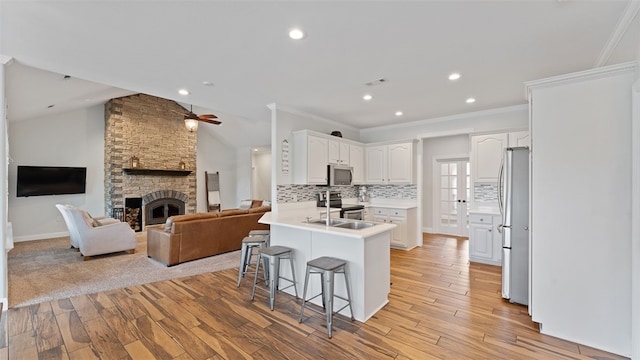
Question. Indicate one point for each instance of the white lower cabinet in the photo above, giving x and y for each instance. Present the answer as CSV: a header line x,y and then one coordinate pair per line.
x,y
485,242
404,236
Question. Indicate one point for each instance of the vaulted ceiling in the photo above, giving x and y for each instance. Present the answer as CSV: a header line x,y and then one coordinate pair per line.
x,y
235,57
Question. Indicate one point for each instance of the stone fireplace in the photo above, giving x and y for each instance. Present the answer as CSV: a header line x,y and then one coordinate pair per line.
x,y
148,128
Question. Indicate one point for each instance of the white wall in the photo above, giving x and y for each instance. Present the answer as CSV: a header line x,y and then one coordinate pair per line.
x,y
581,209
261,175
213,154
431,148
243,174
4,231
71,139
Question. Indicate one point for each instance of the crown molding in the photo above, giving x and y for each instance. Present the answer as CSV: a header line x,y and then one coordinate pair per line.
x,y
580,76
5,59
630,12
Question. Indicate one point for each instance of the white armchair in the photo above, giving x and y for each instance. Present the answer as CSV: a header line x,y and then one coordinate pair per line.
x,y
97,237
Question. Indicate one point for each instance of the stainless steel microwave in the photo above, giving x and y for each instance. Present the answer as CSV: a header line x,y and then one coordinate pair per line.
x,y
339,175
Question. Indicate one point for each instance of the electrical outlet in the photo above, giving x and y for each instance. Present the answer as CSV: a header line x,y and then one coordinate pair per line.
x,y
295,197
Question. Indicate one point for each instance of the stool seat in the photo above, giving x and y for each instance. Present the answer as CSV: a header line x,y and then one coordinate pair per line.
x,y
326,263
259,232
274,250
254,239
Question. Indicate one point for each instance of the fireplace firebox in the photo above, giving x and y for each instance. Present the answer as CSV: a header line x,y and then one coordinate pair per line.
x,y
157,211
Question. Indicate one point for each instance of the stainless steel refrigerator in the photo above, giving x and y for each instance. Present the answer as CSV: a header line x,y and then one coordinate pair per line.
x,y
513,191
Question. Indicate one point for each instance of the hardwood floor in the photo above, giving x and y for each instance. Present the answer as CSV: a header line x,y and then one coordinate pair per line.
x,y
440,306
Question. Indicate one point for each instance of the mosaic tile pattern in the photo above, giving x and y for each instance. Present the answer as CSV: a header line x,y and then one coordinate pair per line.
x,y
485,192
299,193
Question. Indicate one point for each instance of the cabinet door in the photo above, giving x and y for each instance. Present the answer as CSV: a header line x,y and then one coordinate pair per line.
x,y
356,160
519,138
399,163
375,160
334,152
398,237
481,242
486,154
343,159
317,160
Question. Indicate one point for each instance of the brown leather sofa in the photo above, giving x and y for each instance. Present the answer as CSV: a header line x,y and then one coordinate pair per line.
x,y
195,236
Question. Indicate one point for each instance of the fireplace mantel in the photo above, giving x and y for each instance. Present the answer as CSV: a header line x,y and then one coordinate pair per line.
x,y
156,172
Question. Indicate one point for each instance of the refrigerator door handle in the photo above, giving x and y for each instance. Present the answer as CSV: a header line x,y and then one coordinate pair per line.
x,y
500,198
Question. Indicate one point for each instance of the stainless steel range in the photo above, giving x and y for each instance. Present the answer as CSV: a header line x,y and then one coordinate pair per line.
x,y
347,211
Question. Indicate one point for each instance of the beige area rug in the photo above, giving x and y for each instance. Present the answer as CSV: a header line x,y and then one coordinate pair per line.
x,y
46,270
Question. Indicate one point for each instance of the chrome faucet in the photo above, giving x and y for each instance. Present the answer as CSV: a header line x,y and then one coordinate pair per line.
x,y
328,203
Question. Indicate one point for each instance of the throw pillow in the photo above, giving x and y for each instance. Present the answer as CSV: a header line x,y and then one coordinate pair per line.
x,y
245,204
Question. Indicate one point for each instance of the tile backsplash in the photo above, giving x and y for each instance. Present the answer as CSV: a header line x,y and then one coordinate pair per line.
x,y
485,192
299,193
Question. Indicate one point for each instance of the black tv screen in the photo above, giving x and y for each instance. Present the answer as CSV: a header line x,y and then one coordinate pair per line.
x,y
50,180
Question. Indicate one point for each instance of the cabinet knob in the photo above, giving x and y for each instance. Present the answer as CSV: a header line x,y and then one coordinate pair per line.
x,y
490,230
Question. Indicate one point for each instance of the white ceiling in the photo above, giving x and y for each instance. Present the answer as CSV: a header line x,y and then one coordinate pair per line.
x,y
242,47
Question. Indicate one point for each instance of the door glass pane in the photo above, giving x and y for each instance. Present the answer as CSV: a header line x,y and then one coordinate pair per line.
x,y
454,168
444,169
453,182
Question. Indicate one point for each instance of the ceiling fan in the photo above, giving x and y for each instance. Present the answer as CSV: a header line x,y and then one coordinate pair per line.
x,y
208,118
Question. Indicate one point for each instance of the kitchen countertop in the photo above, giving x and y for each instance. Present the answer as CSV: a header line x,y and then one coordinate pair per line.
x,y
297,219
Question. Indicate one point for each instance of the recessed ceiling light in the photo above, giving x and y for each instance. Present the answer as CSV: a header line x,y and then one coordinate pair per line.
x,y
398,113
454,76
367,97
183,92
207,83
296,34
470,100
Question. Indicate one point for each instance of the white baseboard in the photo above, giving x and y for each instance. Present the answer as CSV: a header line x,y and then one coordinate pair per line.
x,y
427,230
40,236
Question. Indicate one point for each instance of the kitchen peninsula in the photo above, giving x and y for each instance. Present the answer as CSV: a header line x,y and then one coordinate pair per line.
x,y
365,250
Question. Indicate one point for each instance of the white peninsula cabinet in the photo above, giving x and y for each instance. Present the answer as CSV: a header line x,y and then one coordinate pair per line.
x,y
485,242
404,236
389,164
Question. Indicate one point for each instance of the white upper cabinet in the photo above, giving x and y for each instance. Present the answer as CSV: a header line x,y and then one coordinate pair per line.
x,y
356,161
376,160
389,164
338,152
310,159
519,138
486,156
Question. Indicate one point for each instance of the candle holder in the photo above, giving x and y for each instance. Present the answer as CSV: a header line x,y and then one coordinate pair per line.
x,y
181,165
135,162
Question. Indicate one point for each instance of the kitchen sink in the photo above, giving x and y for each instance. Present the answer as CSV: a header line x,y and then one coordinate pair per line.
x,y
342,223
332,222
355,225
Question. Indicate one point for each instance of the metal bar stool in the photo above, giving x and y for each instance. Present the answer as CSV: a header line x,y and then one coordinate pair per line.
x,y
248,243
327,267
272,255
264,233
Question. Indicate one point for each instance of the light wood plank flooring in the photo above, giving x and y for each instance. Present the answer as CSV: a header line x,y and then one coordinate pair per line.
x,y
440,306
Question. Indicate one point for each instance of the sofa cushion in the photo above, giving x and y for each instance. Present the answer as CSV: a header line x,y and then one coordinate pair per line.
x,y
260,209
231,212
245,204
178,218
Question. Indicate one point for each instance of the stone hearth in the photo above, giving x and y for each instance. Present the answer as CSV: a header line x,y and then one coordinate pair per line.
x,y
148,128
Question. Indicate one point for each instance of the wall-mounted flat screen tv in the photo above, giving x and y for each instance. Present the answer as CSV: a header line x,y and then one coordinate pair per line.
x,y
50,180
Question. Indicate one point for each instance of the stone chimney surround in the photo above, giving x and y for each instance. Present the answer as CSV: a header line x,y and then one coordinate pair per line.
x,y
148,128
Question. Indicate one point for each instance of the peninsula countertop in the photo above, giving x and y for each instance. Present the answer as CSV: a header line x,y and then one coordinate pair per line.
x,y
297,219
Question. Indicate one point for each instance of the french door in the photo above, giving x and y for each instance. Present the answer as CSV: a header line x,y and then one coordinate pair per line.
x,y
452,196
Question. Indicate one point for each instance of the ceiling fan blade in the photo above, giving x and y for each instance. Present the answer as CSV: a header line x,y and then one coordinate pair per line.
x,y
207,116
210,121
